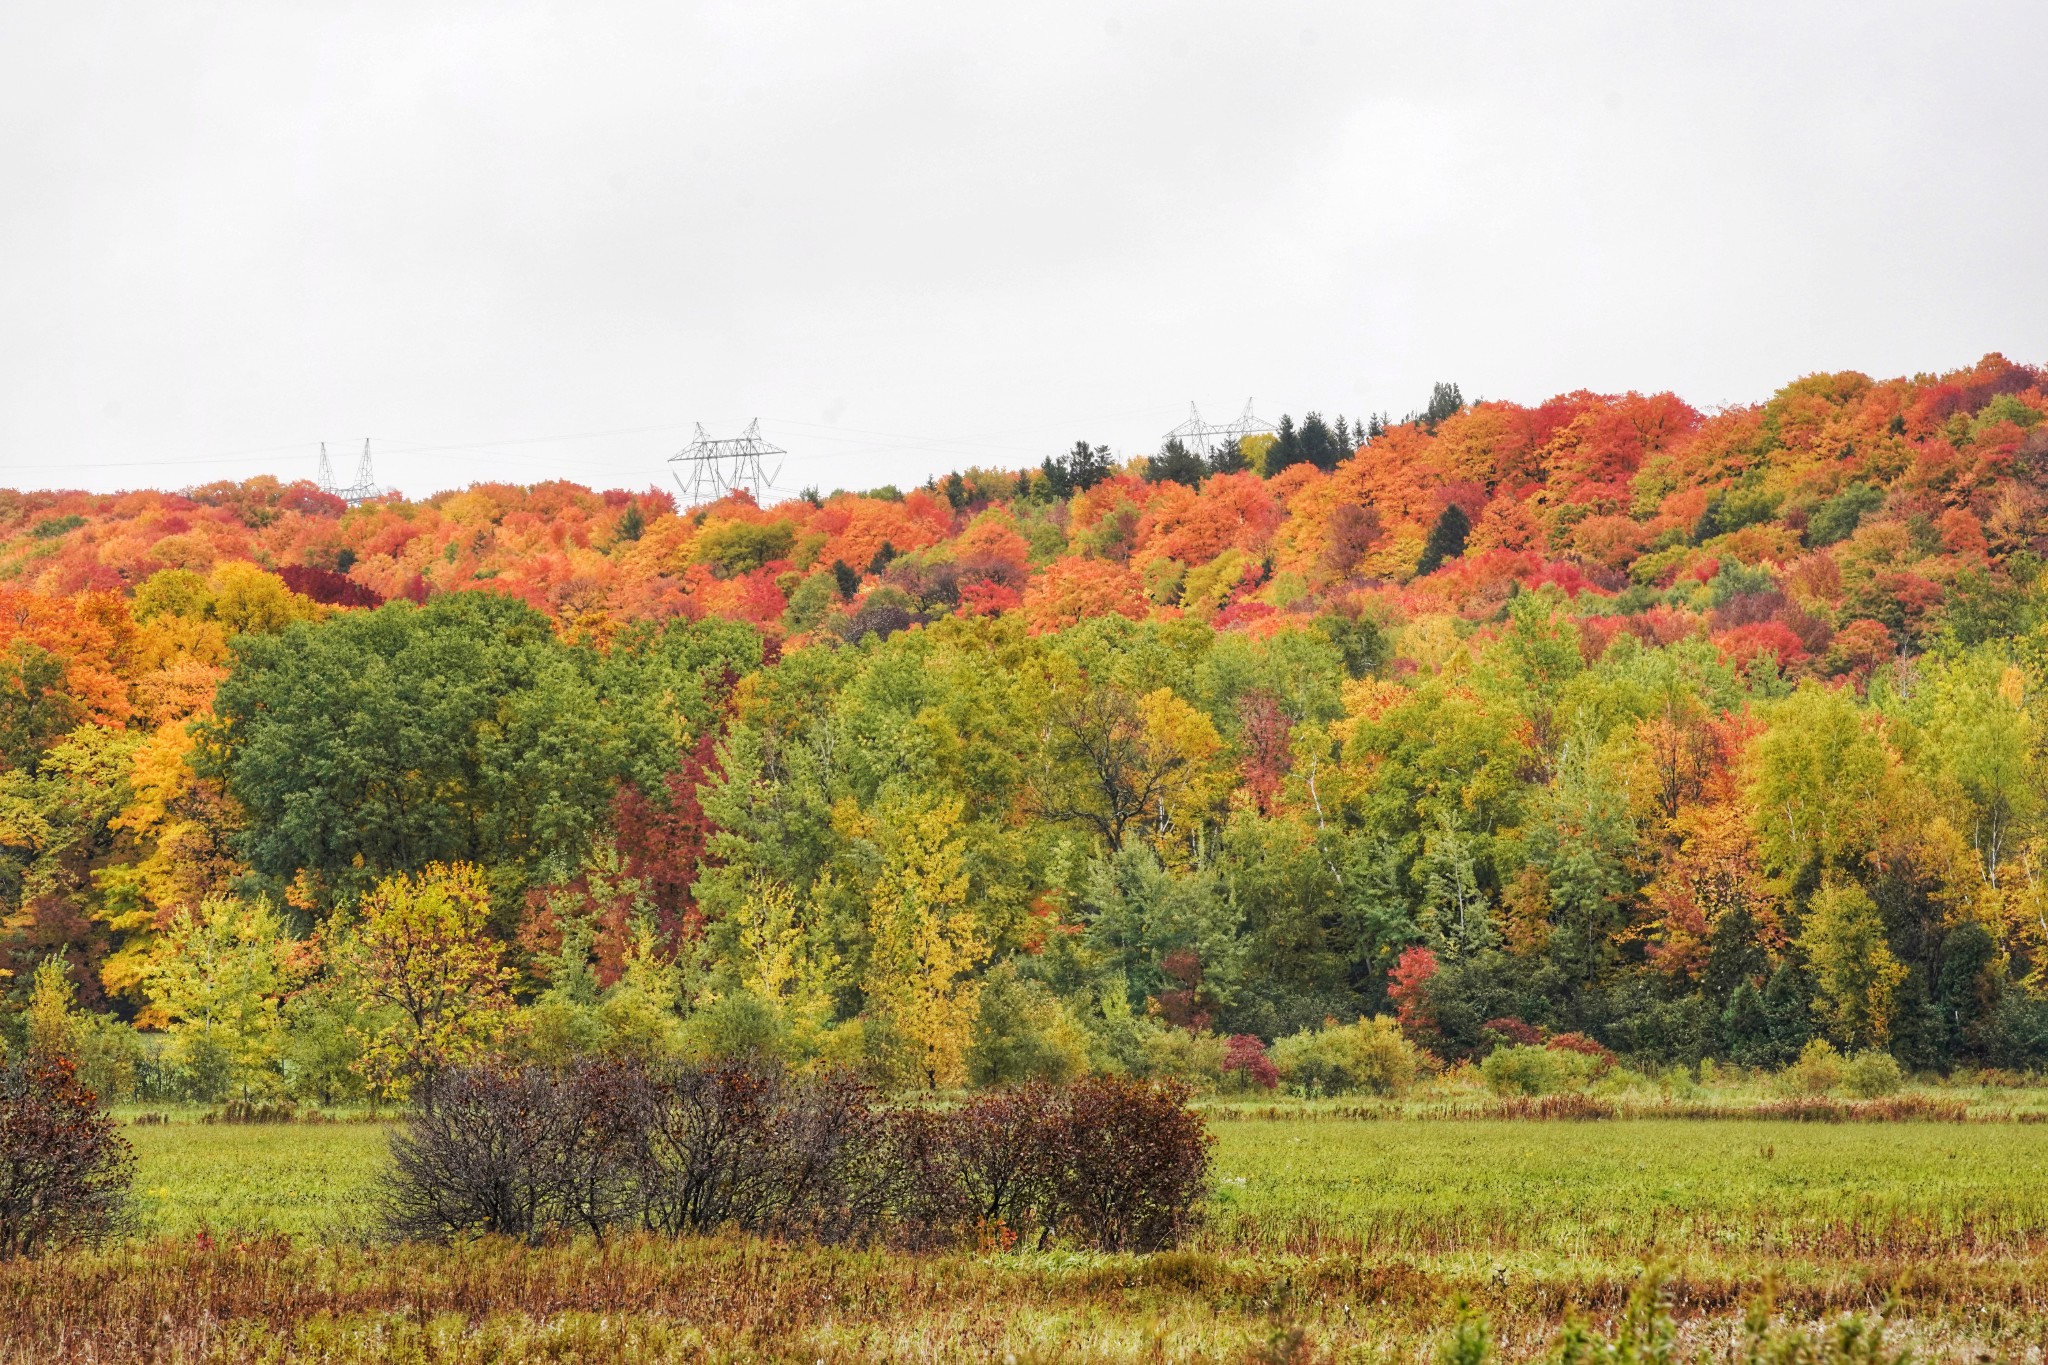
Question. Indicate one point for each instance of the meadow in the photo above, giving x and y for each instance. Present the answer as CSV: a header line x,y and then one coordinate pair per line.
x,y
1335,1233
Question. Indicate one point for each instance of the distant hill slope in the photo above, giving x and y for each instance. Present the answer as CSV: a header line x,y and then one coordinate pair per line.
x,y
1841,519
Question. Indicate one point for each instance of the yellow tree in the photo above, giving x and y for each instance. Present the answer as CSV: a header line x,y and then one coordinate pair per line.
x,y
181,825
1121,761
926,943
1822,781
423,960
52,1024
776,955
1844,942
215,981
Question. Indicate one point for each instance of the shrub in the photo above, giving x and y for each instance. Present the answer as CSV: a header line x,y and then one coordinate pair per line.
x,y
64,1170
1193,1058
1245,1062
1869,1075
876,1050
515,1152
1526,1070
1022,1032
1371,1055
737,1026
1011,1152
1818,1070
1137,1163
1579,1045
1512,1032
1117,1163
109,1054
742,1145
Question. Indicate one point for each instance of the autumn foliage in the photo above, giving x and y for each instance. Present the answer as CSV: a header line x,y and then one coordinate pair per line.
x,y
1693,734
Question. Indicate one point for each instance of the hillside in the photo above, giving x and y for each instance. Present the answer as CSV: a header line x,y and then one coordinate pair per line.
x,y
1696,734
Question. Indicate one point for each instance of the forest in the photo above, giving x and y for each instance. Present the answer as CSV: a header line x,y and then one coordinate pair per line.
x,y
1674,734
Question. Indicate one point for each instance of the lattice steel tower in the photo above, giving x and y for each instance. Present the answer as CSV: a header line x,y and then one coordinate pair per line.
x,y
1206,438
362,490
712,468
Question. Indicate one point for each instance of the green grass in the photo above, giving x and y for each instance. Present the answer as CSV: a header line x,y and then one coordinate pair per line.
x,y
1637,1189
1633,1190
308,1180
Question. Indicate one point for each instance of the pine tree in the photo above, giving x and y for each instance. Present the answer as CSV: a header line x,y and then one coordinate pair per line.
x,y
1446,540
1175,463
1444,402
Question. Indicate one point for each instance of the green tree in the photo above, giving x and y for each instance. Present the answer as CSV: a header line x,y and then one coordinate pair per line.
x,y
1820,780
35,708
1445,402
383,741
1446,540
1175,463
1163,930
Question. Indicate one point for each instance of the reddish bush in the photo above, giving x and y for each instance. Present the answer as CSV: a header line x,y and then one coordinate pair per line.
x,y
746,1146
1408,988
64,1171
516,1153
1011,1151
1137,1163
1514,1031
1119,1164
1584,1046
1244,1056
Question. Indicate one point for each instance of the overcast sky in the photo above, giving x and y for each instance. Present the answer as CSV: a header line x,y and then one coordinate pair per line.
x,y
523,241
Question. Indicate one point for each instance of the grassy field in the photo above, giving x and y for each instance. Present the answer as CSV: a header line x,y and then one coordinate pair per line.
x,y
1330,1237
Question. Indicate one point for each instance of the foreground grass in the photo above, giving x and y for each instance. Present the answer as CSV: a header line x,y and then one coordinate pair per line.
x,y
1329,1238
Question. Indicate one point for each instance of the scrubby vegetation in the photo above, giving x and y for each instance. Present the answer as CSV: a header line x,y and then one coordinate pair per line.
x,y
606,1146
63,1169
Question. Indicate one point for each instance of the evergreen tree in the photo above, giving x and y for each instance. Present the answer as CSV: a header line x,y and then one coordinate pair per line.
x,y
631,523
1446,540
844,577
1286,448
1444,402
1077,471
1320,445
1175,463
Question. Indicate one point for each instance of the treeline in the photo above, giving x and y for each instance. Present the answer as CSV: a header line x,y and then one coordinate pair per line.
x,y
967,853
1701,738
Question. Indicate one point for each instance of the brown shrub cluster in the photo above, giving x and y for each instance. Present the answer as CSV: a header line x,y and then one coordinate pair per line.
x,y
64,1171
614,1145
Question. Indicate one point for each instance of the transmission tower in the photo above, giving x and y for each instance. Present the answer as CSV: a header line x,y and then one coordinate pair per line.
x,y
712,468
362,490
1206,438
